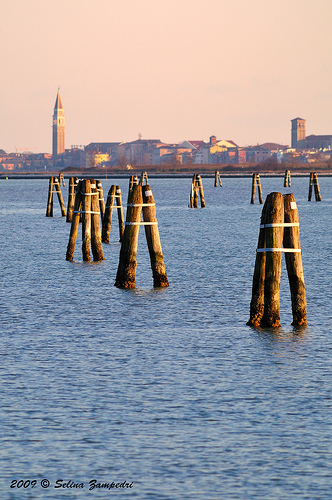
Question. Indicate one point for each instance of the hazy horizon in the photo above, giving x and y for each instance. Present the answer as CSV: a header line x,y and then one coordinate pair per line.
x,y
174,71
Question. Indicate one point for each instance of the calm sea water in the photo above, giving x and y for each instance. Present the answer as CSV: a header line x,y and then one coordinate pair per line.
x,y
166,389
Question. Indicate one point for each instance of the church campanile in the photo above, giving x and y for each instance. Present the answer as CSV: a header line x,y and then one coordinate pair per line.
x,y
58,144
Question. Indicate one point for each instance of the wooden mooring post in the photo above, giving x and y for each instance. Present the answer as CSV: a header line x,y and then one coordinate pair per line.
x,y
101,199
196,189
132,181
73,182
118,197
153,239
287,179
141,202
87,205
311,180
126,274
144,176
294,261
62,179
217,179
114,193
256,181
279,233
316,188
313,183
54,183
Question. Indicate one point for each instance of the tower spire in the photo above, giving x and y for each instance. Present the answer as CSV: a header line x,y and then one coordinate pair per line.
x,y
58,145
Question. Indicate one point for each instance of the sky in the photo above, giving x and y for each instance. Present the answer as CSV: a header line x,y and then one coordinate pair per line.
x,y
172,70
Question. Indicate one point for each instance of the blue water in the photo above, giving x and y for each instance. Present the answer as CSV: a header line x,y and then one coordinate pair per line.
x,y
167,389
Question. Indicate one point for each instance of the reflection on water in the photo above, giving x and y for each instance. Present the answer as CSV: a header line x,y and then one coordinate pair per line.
x,y
295,334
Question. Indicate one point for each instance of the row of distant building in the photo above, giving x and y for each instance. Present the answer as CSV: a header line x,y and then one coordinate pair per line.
x,y
142,152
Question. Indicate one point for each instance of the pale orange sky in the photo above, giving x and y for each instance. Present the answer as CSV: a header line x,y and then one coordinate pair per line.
x,y
170,70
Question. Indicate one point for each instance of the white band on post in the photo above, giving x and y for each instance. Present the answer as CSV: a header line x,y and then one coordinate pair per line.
x,y
141,223
290,250
280,224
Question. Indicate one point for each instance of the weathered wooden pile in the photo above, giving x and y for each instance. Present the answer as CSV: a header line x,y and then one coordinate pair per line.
x,y
313,182
54,183
196,189
141,210
86,205
287,179
256,181
87,210
279,233
217,179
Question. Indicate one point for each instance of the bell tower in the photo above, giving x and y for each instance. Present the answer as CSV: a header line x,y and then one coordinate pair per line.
x,y
298,132
58,143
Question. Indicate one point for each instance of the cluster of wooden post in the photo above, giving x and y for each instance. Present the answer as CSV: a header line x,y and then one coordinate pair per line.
x,y
217,179
54,183
313,182
140,203
114,193
279,233
287,179
196,189
86,205
256,181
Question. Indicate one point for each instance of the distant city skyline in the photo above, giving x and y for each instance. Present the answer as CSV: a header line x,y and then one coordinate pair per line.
x,y
176,70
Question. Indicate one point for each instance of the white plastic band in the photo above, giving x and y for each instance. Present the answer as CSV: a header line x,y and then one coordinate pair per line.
x,y
141,205
296,250
93,186
148,193
89,194
118,191
280,224
141,223
293,205
85,212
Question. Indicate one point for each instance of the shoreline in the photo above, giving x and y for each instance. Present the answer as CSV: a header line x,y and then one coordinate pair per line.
x,y
152,175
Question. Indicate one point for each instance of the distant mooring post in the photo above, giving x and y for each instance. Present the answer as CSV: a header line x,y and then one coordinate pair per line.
x,y
113,193
279,233
256,181
62,179
313,183
73,182
217,179
287,179
196,189
54,183
141,202
87,204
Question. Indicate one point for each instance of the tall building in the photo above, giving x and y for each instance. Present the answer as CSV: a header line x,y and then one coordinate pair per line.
x,y
298,132
58,144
